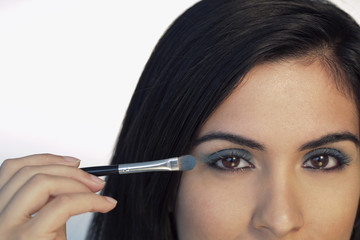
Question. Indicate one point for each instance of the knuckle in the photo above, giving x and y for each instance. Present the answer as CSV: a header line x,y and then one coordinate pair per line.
x,y
7,164
41,157
7,168
46,156
26,171
40,178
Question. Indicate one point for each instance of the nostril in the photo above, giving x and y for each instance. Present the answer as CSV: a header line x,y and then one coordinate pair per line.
x,y
279,228
277,216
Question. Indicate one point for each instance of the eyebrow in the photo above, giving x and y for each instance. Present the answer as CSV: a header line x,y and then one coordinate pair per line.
x,y
241,140
237,139
331,138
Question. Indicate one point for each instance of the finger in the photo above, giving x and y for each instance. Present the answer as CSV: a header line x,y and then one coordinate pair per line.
x,y
10,166
35,194
61,233
60,209
24,174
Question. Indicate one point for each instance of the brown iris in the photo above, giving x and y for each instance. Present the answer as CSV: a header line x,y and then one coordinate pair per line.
x,y
320,161
230,162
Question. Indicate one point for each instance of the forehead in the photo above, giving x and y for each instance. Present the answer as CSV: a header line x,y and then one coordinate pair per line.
x,y
287,98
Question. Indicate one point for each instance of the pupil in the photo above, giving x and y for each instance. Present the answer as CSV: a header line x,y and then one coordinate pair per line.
x,y
320,161
230,162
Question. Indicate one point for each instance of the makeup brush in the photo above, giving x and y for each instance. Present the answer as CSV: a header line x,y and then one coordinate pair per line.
x,y
183,163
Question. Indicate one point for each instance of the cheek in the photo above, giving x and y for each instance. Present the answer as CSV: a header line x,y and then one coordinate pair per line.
x,y
207,208
332,202
210,206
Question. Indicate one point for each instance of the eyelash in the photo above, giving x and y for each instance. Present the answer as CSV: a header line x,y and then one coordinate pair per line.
x,y
236,157
232,155
341,159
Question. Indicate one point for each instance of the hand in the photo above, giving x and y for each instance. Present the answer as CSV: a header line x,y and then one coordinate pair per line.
x,y
39,193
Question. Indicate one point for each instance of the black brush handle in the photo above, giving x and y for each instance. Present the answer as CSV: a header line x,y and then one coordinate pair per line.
x,y
102,170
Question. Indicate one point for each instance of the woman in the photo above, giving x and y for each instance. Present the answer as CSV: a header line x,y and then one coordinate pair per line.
x,y
265,95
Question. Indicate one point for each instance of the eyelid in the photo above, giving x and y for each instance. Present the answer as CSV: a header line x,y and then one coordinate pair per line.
x,y
343,158
213,157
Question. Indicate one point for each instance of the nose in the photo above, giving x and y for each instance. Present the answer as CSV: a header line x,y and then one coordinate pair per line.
x,y
278,211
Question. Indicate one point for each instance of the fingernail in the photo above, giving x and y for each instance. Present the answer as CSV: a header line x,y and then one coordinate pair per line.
x,y
97,180
71,159
111,200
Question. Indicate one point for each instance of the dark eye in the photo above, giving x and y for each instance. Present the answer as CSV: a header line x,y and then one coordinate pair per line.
x,y
321,162
233,163
231,159
325,159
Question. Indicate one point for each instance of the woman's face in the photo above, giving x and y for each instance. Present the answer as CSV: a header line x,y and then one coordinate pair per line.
x,y
278,159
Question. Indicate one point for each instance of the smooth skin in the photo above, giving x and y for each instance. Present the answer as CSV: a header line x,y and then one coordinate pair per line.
x,y
39,193
281,106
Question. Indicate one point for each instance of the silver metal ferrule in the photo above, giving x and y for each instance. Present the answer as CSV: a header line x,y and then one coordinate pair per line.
x,y
170,164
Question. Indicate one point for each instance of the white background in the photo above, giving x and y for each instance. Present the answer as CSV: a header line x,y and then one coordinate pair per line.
x,y
68,69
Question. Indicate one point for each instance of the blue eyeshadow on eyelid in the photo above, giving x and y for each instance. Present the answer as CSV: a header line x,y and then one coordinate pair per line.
x,y
213,157
343,158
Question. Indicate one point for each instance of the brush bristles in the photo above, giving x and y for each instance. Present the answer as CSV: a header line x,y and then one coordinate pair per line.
x,y
186,162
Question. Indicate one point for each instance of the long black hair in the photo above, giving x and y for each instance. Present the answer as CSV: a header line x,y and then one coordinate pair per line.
x,y
200,59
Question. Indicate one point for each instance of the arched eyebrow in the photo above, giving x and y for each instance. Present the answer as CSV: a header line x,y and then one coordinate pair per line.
x,y
331,138
237,139
244,141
